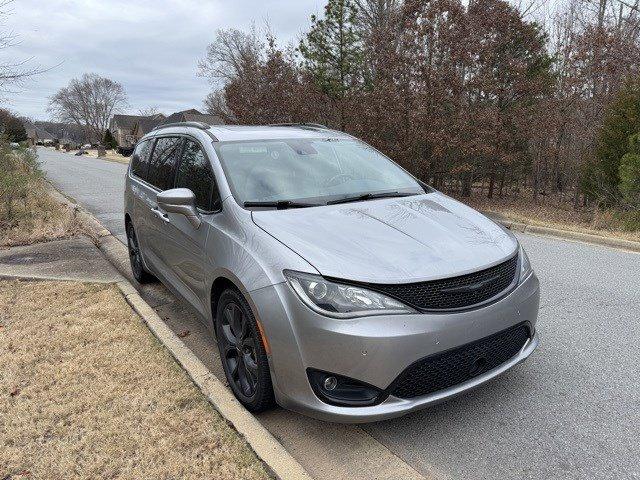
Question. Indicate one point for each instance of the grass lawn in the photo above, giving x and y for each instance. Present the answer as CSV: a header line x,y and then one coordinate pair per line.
x,y
87,392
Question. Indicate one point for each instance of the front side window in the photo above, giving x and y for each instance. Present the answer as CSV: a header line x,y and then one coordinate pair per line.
x,y
309,169
163,161
140,159
194,173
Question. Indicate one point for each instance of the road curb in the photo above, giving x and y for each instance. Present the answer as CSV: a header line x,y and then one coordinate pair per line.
x,y
268,449
563,234
92,226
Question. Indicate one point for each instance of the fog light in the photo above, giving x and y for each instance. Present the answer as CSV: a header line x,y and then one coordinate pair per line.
x,y
344,391
330,383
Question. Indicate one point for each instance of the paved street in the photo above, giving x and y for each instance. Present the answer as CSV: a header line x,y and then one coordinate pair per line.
x,y
97,185
571,411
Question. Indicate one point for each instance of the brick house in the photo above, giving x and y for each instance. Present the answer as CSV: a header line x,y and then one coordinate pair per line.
x,y
193,115
128,129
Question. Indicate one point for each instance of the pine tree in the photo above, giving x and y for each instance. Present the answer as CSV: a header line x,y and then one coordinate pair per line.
x,y
630,173
602,178
14,129
109,141
333,53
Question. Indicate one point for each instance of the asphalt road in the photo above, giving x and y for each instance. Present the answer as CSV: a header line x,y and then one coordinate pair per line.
x,y
571,411
97,185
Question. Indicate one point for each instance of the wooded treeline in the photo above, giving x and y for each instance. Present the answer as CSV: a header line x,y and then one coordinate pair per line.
x,y
483,96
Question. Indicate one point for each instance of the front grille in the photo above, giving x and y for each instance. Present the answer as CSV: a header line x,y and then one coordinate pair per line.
x,y
444,370
456,292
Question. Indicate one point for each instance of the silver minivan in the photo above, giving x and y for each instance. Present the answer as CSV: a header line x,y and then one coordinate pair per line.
x,y
333,282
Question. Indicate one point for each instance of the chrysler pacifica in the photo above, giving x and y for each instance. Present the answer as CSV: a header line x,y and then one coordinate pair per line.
x,y
333,282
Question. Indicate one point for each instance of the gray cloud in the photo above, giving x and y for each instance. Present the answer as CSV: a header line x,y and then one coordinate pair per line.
x,y
151,47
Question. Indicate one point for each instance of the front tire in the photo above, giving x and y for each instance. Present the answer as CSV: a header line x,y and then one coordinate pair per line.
x,y
242,352
135,257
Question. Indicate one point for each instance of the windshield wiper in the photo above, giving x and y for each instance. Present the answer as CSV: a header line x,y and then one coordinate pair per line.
x,y
281,204
370,196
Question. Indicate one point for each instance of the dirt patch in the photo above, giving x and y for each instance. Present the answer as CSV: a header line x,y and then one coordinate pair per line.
x,y
87,392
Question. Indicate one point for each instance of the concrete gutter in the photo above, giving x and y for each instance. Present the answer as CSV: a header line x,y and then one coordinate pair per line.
x,y
277,459
563,233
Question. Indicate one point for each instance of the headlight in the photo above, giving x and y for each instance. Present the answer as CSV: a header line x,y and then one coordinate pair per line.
x,y
525,264
341,301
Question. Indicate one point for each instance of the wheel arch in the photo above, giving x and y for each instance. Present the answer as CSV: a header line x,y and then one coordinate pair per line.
x,y
226,280
219,285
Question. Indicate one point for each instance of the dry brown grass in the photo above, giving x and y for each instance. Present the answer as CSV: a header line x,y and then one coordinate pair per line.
x,y
42,219
87,392
27,213
110,156
555,215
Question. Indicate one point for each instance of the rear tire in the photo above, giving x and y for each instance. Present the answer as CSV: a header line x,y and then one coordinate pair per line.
x,y
140,273
242,352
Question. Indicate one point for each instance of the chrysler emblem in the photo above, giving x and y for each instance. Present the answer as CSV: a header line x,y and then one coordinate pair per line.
x,y
470,288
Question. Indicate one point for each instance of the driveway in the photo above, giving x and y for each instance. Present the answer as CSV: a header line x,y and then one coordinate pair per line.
x,y
571,411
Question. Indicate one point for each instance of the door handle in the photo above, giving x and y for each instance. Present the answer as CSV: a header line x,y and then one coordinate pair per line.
x,y
160,214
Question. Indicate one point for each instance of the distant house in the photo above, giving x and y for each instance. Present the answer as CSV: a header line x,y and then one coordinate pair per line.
x,y
70,144
37,135
193,115
128,129
63,132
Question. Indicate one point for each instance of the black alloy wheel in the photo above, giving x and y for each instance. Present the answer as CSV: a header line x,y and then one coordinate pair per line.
x,y
135,257
242,352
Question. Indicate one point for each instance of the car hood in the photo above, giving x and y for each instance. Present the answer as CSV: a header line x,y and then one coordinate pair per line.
x,y
392,240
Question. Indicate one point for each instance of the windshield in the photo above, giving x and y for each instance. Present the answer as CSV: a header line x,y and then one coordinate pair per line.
x,y
309,169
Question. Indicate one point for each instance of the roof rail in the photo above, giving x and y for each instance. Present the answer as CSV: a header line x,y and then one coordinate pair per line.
x,y
312,125
200,125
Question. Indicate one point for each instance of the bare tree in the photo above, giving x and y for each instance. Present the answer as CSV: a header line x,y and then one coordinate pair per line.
x,y
149,111
90,102
12,72
216,104
376,15
507,98
231,55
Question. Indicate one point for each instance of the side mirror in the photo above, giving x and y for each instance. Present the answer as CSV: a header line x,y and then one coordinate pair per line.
x,y
182,201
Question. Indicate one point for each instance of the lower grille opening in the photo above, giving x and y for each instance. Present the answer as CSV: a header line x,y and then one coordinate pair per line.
x,y
446,369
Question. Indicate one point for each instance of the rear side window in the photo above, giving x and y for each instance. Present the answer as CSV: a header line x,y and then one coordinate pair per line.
x,y
194,173
140,159
163,161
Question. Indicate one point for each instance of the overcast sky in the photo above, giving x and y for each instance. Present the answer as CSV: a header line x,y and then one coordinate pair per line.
x,y
151,47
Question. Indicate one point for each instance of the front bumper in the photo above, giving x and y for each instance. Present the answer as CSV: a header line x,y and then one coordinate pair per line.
x,y
377,349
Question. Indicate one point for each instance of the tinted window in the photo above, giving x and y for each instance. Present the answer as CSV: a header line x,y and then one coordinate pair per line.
x,y
195,174
140,159
163,161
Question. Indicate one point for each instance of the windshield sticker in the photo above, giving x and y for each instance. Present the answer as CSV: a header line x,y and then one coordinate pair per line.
x,y
250,150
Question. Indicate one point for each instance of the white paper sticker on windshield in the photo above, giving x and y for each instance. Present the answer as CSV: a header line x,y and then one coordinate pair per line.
x,y
244,149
